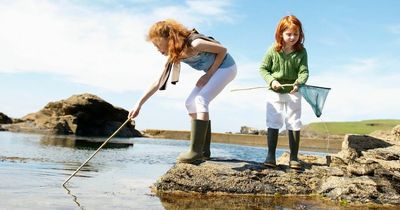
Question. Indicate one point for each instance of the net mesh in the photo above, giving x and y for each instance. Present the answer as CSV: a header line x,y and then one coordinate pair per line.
x,y
315,96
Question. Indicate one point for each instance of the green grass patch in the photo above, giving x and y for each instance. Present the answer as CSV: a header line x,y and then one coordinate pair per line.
x,y
358,127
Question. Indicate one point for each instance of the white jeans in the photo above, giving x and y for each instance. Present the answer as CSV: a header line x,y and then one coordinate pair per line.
x,y
200,97
284,107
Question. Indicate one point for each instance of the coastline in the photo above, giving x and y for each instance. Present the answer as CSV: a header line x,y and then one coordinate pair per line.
x,y
306,144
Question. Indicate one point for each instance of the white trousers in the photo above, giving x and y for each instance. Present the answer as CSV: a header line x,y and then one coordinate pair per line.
x,y
284,108
200,97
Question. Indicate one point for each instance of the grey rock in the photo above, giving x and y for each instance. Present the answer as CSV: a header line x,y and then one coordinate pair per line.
x,y
396,132
366,171
4,119
83,115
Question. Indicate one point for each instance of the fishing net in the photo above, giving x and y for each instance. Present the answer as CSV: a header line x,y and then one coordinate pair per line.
x,y
315,96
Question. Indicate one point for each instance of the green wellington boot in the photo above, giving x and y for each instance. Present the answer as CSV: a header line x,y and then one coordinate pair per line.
x,y
197,138
294,142
207,142
272,140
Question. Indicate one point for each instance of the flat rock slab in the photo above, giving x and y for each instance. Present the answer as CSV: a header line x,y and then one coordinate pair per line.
x,y
234,176
239,177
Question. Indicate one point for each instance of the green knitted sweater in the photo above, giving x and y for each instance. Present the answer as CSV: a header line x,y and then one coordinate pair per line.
x,y
286,68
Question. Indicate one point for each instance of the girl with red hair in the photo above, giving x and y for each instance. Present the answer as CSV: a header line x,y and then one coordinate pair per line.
x,y
202,53
284,68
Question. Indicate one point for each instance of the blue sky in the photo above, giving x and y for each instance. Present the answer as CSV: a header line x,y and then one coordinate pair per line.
x,y
51,50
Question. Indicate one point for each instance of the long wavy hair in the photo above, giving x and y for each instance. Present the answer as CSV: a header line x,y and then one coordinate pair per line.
x,y
176,35
289,22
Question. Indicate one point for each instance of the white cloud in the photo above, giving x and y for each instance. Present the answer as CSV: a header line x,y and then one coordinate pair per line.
x,y
196,12
107,49
209,7
95,47
364,89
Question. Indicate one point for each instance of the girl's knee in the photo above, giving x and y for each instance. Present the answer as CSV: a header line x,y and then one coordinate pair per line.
x,y
201,103
294,125
193,115
190,106
276,124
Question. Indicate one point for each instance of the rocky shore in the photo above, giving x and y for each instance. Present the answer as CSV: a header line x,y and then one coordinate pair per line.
x,y
365,171
82,115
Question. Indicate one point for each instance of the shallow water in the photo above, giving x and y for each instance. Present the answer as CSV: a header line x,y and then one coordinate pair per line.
x,y
33,168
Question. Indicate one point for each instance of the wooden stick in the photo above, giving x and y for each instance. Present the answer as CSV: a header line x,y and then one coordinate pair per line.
x,y
104,143
252,88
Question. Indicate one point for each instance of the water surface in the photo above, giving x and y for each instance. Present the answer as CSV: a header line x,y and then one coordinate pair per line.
x,y
33,168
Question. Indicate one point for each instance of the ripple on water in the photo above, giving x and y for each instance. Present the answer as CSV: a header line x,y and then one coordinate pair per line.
x,y
118,177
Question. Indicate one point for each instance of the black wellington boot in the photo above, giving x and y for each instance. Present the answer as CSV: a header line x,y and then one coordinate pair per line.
x,y
207,142
272,140
294,142
197,138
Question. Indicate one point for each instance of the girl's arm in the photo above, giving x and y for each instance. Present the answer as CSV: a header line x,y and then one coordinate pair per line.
x,y
135,111
266,71
201,45
303,69
302,75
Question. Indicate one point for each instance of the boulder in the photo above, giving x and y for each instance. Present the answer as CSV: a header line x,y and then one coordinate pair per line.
x,y
250,130
4,119
366,171
83,115
354,145
396,132
392,136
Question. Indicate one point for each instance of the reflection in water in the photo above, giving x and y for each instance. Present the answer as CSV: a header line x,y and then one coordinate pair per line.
x,y
190,201
84,142
116,178
85,169
75,198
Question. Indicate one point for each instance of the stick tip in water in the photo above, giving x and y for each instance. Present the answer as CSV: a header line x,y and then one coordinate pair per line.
x,y
66,181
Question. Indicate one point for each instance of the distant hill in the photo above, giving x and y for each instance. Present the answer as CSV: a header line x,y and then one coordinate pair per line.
x,y
342,128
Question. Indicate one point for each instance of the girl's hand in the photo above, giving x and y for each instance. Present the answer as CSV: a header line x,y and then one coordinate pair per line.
x,y
203,80
295,88
134,113
276,85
